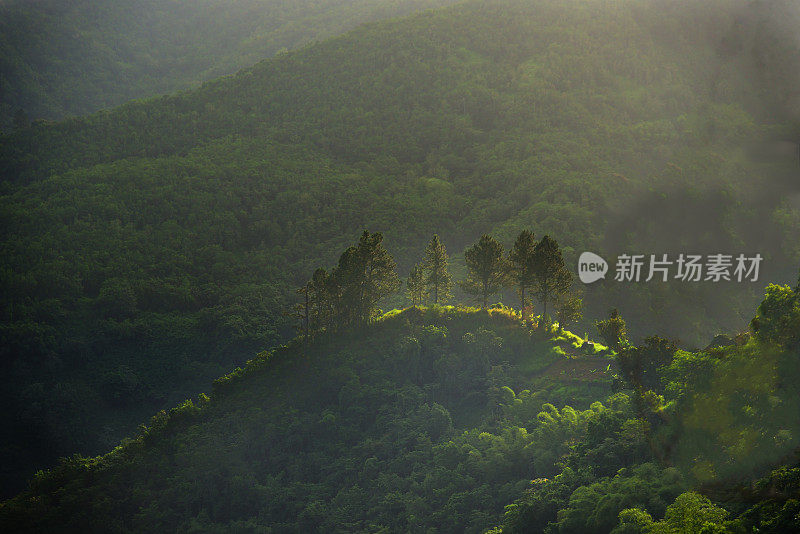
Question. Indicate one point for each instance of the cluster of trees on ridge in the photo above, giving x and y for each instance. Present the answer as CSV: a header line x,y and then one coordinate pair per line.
x,y
350,292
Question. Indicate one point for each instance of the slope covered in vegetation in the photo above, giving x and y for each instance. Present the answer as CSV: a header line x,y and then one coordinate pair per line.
x,y
145,250
448,420
427,418
71,58
721,427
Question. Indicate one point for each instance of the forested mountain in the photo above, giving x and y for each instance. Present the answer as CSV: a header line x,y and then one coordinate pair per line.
x,y
147,249
71,58
458,420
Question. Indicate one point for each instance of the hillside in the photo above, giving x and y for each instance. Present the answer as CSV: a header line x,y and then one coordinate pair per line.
x,y
341,434
60,59
146,249
436,419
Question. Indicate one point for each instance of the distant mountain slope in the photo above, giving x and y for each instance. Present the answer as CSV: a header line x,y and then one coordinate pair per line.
x,y
572,119
71,58
145,249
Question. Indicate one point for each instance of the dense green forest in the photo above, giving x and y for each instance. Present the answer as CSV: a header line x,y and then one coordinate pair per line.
x,y
71,58
147,249
447,419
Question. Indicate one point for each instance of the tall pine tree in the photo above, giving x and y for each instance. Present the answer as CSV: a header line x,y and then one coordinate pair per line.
x,y
437,278
551,277
486,268
379,277
520,266
364,275
416,285
570,310
346,283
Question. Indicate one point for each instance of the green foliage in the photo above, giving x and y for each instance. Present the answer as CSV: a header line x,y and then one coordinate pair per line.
x,y
416,289
61,59
551,277
520,266
778,317
486,268
732,412
691,513
778,506
612,330
595,508
541,502
364,276
726,416
437,278
641,365
386,426
156,245
430,418
571,502
570,311
633,521
116,300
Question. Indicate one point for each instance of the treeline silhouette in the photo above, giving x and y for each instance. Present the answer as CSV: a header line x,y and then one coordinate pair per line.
x,y
349,293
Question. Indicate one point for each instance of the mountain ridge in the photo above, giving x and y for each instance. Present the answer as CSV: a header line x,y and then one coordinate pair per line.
x,y
317,375
440,417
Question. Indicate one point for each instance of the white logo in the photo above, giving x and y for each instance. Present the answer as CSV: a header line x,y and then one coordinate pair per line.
x,y
685,268
591,267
